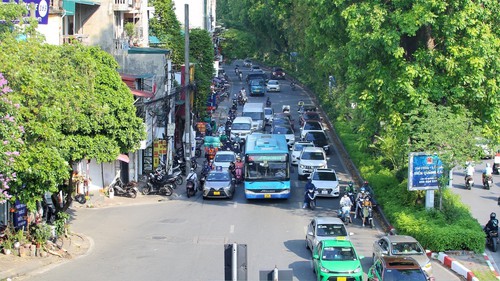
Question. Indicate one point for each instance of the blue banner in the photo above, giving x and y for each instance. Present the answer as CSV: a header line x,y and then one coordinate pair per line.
x,y
424,170
41,9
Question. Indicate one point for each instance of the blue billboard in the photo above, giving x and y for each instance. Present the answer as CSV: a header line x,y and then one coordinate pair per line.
x,y
41,8
424,170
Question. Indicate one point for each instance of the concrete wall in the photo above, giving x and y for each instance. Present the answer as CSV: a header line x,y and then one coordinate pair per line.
x,y
52,30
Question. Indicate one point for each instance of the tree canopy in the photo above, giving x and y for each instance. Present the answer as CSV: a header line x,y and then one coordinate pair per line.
x,y
73,106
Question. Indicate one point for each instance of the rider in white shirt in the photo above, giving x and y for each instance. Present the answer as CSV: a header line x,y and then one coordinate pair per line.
x,y
194,177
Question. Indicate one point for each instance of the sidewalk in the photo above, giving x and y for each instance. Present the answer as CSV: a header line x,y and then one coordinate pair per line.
x,y
471,266
14,267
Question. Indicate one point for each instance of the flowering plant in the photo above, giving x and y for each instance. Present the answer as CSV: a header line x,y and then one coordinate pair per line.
x,y
10,134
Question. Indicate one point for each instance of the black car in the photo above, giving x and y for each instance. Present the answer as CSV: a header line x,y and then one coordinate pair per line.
x,y
319,139
278,73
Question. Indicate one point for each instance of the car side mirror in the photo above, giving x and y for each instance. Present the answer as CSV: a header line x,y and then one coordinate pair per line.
x,y
315,256
385,252
361,257
310,233
298,158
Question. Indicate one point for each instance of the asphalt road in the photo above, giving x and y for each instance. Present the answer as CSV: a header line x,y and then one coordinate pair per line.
x,y
183,239
480,201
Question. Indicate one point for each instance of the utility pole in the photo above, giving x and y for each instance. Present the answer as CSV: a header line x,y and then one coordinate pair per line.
x,y
187,90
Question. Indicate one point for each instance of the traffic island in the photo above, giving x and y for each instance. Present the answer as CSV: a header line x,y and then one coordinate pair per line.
x,y
469,265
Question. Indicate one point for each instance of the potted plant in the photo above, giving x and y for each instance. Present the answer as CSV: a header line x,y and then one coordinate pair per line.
x,y
7,246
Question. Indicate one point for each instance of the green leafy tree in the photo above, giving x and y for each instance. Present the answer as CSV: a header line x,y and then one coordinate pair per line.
x,y
201,53
167,28
73,106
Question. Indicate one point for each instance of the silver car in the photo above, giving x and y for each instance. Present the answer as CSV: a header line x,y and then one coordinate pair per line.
x,y
219,184
325,228
297,149
402,246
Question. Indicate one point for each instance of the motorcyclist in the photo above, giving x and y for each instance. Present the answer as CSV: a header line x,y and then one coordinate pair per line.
x,y
220,130
236,70
237,138
268,102
359,198
239,167
240,75
350,188
492,224
208,129
236,148
193,177
232,169
345,205
228,126
367,203
211,152
309,193
469,172
487,173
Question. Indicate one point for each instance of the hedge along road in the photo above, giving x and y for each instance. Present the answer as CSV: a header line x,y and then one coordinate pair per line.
x,y
362,237
481,202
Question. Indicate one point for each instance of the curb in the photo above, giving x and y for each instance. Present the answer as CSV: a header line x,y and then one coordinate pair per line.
x,y
460,269
490,265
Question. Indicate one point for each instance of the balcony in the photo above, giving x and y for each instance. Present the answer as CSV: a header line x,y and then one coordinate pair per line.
x,y
81,38
126,5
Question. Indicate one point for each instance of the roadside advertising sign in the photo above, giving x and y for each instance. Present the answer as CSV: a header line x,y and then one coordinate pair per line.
x,y
424,170
41,9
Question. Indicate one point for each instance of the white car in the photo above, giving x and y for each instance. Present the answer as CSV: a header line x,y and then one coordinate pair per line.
x,y
326,182
297,149
311,158
268,115
325,228
310,126
255,68
287,131
224,158
273,86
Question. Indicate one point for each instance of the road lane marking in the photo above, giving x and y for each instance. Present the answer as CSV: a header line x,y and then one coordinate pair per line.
x,y
231,229
235,204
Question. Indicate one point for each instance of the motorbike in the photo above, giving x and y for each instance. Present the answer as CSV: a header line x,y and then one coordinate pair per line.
x,y
240,75
311,199
199,144
159,183
345,214
176,176
487,181
353,199
292,85
120,189
268,102
191,187
492,240
242,100
239,174
369,218
469,182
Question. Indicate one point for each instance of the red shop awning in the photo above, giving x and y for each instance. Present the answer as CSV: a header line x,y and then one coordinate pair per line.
x,y
123,157
143,94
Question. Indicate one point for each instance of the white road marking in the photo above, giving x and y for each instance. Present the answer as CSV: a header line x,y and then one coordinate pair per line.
x,y
235,204
231,229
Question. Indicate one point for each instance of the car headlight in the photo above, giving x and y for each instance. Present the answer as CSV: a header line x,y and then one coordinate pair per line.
x,y
302,166
323,269
358,269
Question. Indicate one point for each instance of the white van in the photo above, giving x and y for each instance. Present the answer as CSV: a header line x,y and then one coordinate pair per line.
x,y
255,110
242,126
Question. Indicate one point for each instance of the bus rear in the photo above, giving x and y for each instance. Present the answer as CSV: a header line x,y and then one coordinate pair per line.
x,y
267,167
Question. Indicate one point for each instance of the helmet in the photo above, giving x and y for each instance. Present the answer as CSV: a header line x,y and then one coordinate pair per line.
x,y
192,169
365,183
238,158
363,190
351,184
493,215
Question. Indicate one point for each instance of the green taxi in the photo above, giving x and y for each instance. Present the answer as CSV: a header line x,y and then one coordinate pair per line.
x,y
336,260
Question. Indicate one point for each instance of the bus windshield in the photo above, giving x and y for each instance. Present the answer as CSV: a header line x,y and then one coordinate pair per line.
x,y
266,170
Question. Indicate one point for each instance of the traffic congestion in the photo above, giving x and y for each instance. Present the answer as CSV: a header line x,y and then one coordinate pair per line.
x,y
267,132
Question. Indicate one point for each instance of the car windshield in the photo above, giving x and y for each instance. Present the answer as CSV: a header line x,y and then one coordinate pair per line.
x,y
256,82
298,146
312,126
338,254
278,69
311,116
224,158
404,274
312,156
311,136
273,82
218,177
266,170
282,130
254,115
331,230
406,248
241,126
324,176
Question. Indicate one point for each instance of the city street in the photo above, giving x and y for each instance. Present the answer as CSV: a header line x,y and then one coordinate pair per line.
x,y
480,201
183,239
